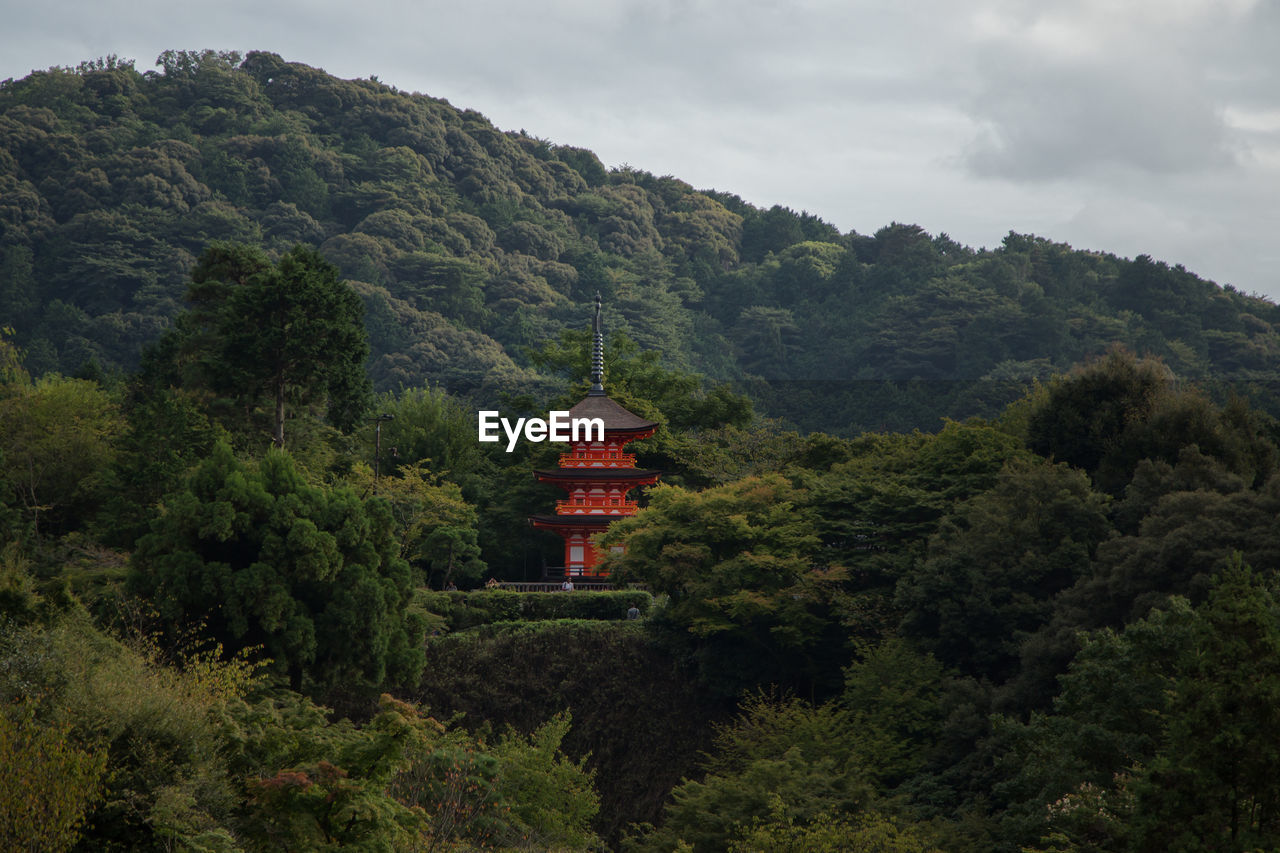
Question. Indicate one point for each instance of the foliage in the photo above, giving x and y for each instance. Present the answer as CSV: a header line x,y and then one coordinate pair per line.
x,y
313,577
47,782
468,245
611,675
1160,738
996,563
167,434
259,333
520,792
738,564
1110,414
894,697
781,757
917,580
868,831
146,718
435,527
464,610
1211,784
57,439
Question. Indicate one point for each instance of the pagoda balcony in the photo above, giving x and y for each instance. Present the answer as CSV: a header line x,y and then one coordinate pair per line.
x,y
570,507
597,459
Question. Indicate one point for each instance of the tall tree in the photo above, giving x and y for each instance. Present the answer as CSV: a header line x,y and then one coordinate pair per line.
x,y
56,441
313,577
296,333
739,564
289,333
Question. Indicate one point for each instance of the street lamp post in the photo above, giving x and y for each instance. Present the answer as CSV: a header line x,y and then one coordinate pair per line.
x,y
377,446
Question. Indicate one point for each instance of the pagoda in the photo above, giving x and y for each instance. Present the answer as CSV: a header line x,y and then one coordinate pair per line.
x,y
597,475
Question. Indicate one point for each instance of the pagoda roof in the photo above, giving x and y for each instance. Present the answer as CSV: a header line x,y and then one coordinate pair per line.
x,y
616,418
589,473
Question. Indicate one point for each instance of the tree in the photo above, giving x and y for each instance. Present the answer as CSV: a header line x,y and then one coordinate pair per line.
x,y
288,333
894,697
297,332
739,564
781,757
1164,734
868,832
47,782
997,562
436,528
167,435
56,442
313,577
1212,785
640,383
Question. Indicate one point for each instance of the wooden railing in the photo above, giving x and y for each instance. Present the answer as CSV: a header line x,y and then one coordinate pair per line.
x,y
603,459
568,507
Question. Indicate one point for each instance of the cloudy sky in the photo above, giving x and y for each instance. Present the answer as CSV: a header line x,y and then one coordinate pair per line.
x,y
1139,126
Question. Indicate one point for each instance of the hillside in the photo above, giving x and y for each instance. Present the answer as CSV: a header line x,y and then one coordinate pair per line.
x,y
230,615
469,245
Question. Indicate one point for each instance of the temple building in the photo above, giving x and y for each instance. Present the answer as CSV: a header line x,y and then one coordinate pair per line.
x,y
596,475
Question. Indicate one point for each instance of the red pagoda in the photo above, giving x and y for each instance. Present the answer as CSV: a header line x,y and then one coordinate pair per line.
x,y
597,475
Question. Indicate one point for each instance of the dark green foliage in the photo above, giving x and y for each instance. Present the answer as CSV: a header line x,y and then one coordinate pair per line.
x,y
469,244
997,562
1164,735
310,577
850,569
1212,784
611,676
747,594
894,696
463,610
780,756
876,511
167,435
265,335
1109,415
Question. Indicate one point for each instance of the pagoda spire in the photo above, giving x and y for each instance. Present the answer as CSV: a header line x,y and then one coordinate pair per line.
x,y
597,356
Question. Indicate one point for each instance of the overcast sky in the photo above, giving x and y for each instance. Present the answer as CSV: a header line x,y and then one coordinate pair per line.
x,y
1139,126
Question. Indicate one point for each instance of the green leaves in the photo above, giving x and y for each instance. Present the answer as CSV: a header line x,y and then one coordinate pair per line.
x,y
738,562
261,336
309,575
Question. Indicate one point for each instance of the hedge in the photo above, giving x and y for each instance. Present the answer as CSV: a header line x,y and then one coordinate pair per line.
x,y
461,610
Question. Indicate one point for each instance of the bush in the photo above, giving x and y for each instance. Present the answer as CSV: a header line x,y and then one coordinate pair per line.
x,y
462,610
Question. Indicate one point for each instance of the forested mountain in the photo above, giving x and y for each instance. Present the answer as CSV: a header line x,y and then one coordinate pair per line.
x,y
247,311
469,244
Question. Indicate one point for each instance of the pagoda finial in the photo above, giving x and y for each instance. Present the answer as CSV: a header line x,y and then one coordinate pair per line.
x,y
597,356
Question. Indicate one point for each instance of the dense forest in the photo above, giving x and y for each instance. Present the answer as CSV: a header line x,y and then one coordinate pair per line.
x,y
956,550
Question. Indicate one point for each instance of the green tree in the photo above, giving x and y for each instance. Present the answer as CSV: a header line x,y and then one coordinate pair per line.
x,y
297,334
783,757
739,564
997,562
894,695
167,435
867,832
47,782
313,577
1213,785
288,333
436,528
642,384
56,443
